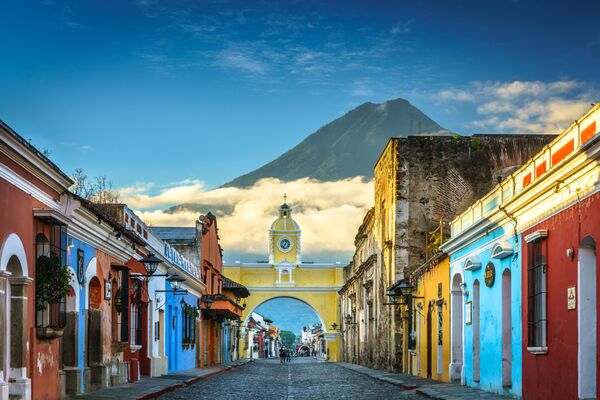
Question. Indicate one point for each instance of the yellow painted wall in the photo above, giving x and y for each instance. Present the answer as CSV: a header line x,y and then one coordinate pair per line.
x,y
427,287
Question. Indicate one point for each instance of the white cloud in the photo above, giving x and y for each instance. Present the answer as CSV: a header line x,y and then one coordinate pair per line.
x,y
521,106
401,28
241,59
329,213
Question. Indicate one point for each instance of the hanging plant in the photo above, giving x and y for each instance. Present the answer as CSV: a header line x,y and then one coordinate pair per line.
x,y
52,281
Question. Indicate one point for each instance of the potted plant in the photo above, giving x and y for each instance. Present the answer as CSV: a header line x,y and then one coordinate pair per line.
x,y
52,285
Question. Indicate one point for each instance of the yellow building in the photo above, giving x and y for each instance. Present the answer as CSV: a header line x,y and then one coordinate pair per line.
x,y
429,348
285,275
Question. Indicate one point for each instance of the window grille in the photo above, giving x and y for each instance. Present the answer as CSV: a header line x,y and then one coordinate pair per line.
x,y
537,322
120,308
136,312
51,242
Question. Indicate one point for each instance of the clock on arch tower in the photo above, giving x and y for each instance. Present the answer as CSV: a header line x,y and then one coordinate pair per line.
x,y
284,238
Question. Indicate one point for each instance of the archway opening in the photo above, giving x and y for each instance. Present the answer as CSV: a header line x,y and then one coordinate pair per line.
x,y
456,364
586,354
299,324
17,296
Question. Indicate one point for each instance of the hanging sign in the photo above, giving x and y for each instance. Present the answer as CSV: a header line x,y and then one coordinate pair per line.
x,y
489,275
571,298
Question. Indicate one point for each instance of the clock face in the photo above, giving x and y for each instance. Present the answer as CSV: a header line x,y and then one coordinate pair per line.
x,y
285,244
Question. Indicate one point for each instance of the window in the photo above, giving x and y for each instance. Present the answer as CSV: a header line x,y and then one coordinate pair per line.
x,y
120,303
537,323
51,254
188,317
136,313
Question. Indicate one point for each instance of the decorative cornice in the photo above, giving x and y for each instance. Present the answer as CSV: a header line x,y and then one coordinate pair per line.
x,y
539,234
265,289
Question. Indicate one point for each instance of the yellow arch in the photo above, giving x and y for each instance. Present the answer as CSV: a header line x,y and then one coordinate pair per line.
x,y
323,303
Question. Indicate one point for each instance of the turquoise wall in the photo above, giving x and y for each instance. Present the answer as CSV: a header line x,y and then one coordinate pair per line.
x,y
491,311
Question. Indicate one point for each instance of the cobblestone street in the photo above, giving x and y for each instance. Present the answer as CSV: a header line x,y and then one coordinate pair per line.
x,y
302,379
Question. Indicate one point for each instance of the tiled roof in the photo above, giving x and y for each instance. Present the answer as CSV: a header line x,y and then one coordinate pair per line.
x,y
235,287
174,233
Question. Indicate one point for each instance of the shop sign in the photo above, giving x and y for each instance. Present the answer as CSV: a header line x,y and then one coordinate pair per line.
x,y
469,313
107,290
489,275
571,298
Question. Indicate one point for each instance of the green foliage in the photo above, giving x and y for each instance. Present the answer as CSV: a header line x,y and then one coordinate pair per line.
x,y
287,338
474,143
52,281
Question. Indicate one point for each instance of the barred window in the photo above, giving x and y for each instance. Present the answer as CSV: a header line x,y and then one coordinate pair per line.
x,y
537,293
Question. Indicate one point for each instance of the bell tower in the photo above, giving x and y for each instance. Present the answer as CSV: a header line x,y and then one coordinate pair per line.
x,y
284,244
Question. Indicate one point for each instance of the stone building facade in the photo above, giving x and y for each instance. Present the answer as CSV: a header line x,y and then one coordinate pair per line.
x,y
358,299
419,181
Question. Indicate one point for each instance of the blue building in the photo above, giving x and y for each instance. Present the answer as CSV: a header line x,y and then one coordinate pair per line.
x,y
181,330
485,276
80,256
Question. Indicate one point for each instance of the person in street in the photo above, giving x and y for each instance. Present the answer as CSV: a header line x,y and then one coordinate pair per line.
x,y
282,355
288,355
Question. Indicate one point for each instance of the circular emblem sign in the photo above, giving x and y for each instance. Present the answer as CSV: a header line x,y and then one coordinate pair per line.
x,y
489,275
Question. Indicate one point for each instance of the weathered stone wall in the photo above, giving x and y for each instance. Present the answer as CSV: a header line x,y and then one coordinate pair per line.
x,y
446,175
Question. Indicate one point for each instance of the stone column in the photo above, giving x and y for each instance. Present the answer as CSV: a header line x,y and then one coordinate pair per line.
x,y
18,340
3,337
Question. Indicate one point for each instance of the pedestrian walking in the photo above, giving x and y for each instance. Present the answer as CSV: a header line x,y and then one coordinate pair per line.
x,y
288,355
282,355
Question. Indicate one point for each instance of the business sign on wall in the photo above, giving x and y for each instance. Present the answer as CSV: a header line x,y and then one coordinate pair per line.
x,y
571,298
489,275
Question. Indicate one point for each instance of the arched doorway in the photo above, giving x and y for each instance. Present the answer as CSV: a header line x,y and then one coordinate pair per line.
x,y
14,281
586,317
456,363
15,318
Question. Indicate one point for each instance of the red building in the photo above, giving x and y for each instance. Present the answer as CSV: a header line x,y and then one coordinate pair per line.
x,y
34,213
557,210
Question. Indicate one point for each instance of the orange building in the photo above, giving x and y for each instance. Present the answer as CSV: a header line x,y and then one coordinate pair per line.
x,y
212,275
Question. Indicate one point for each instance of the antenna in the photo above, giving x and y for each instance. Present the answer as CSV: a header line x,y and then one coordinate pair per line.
x,y
285,198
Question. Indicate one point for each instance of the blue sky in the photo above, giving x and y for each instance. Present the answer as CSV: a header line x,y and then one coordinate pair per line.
x,y
163,91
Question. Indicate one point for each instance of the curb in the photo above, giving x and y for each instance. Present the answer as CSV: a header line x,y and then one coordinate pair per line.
x,y
188,382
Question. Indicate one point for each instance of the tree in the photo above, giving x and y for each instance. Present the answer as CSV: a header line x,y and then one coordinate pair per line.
x,y
287,338
98,190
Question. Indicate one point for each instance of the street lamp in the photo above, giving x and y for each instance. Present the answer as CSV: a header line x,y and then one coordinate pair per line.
x,y
150,263
175,280
207,302
405,288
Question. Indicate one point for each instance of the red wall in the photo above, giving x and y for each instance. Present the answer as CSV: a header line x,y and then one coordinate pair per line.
x,y
554,375
16,216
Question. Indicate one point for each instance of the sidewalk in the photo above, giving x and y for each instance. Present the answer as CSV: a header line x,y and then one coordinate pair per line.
x,y
426,387
149,388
